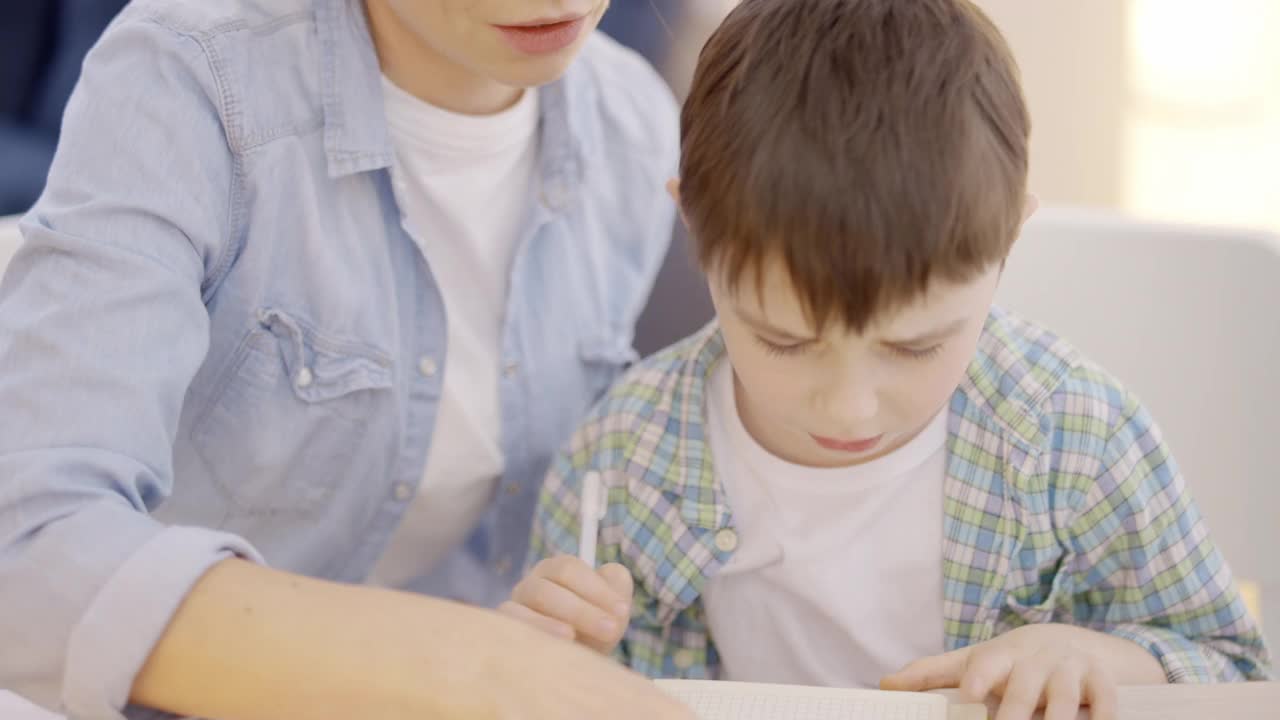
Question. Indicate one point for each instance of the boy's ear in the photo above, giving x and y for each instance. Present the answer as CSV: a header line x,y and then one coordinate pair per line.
x,y
1029,209
673,189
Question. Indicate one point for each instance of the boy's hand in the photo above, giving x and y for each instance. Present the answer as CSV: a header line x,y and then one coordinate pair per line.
x,y
566,597
1057,667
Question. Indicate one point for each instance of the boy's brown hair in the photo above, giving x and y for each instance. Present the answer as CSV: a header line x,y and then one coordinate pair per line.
x,y
870,145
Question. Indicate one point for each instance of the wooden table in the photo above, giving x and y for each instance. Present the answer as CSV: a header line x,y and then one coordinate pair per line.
x,y
1226,701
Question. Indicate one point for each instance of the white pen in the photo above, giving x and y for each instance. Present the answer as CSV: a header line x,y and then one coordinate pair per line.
x,y
594,501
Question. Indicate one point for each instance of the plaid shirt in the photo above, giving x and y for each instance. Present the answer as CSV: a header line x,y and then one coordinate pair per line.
x,y
1062,505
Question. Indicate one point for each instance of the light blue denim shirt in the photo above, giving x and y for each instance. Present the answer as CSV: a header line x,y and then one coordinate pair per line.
x,y
213,339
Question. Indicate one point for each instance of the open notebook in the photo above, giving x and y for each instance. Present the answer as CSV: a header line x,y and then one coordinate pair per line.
x,y
718,700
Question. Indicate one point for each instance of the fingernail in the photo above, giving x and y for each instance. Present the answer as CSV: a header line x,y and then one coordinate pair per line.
x,y
607,628
622,610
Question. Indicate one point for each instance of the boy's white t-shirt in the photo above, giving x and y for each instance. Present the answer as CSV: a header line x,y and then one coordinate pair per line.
x,y
463,184
837,575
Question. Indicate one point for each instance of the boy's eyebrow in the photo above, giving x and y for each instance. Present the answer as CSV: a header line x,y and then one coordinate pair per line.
x,y
760,325
933,335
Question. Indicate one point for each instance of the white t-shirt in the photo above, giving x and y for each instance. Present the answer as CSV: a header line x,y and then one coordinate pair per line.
x,y
837,577
463,184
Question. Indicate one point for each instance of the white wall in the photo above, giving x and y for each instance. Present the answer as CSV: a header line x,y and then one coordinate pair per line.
x,y
1161,108
1072,56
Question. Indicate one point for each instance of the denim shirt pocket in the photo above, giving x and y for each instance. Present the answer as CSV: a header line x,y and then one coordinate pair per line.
x,y
289,414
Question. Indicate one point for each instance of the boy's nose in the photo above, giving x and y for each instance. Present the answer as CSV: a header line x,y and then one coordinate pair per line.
x,y
853,405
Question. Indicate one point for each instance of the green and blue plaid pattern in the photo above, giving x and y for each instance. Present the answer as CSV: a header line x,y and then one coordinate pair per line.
x,y
1062,505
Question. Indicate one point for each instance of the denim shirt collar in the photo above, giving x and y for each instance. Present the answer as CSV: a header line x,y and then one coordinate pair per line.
x,y
356,138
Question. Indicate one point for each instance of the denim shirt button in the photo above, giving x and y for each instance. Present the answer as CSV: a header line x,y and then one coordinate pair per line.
x,y
427,366
305,378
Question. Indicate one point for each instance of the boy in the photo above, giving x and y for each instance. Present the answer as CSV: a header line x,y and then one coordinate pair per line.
x,y
862,465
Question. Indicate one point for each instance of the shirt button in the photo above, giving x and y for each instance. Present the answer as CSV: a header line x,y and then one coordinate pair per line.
x,y
427,366
726,540
403,492
511,369
305,378
683,659
514,489
504,566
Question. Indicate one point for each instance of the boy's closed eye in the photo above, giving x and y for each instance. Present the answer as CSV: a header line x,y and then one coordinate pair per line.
x,y
927,345
784,349
788,349
916,353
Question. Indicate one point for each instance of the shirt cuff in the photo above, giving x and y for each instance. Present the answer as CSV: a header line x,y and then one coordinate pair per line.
x,y
1183,660
126,619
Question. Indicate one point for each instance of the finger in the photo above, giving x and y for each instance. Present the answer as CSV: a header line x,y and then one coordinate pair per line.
x,y
1100,693
606,646
1063,693
931,673
1024,690
986,671
543,595
551,626
583,580
619,579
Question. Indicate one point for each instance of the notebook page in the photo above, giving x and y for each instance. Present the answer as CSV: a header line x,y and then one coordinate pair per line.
x,y
750,701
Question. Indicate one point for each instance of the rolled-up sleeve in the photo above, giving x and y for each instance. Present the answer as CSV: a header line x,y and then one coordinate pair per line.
x,y
1145,569
102,328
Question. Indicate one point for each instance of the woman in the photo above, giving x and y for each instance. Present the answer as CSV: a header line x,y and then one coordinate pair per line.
x,y
314,290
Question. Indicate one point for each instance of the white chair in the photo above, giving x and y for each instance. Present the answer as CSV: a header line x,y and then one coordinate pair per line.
x,y
9,240
1186,317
